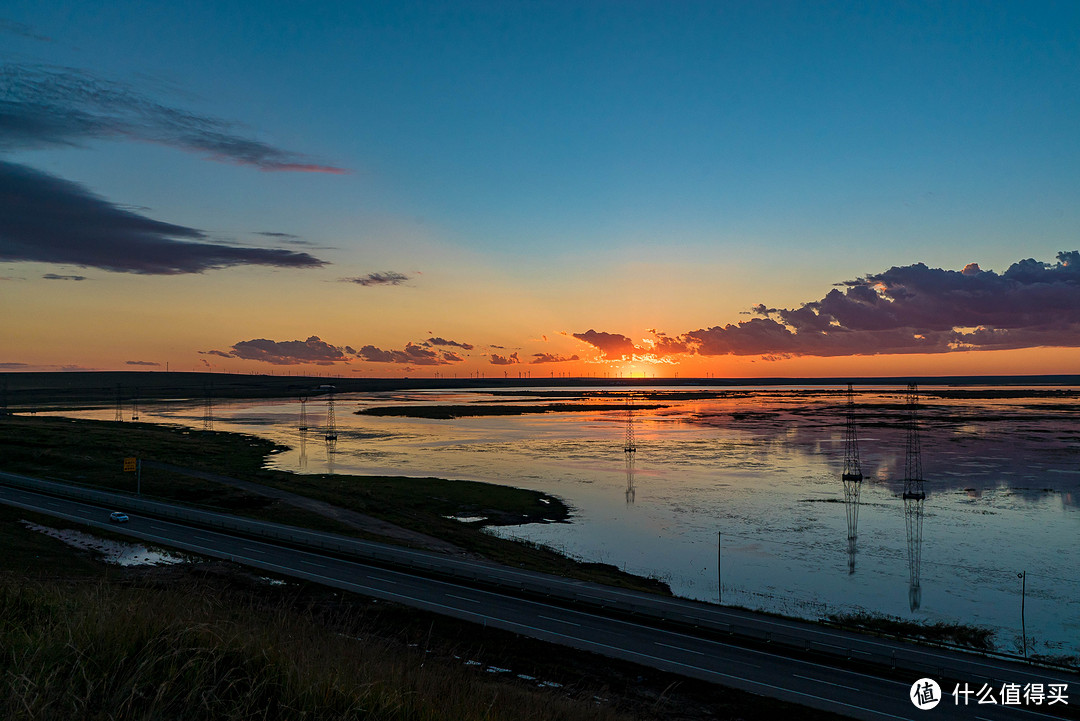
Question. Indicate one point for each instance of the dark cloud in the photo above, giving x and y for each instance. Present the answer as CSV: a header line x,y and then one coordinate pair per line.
x,y
14,365
499,360
47,219
54,276
443,341
141,363
412,354
551,358
289,352
43,107
917,309
612,345
390,277
22,30
665,345
283,236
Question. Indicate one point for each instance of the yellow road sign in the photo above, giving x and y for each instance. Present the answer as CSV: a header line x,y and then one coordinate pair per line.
x,y
129,465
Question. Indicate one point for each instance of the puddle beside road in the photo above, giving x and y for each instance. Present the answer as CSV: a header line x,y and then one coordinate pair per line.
x,y
114,552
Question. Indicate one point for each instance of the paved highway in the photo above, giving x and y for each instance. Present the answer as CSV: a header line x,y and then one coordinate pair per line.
x,y
851,693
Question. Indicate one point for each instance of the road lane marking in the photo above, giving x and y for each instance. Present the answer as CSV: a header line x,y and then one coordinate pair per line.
x,y
827,683
462,598
678,648
382,580
310,563
558,620
512,624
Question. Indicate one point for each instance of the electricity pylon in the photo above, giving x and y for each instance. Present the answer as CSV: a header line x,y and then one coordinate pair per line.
x,y
630,451
852,478
331,420
914,497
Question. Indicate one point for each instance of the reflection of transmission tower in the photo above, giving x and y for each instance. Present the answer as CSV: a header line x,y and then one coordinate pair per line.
x,y
303,428
303,449
303,413
331,432
208,409
630,451
852,478
135,406
914,496
119,415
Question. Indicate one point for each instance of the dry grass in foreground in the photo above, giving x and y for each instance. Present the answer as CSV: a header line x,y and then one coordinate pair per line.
x,y
108,651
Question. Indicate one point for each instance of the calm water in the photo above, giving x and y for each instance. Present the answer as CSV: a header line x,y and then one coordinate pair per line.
x,y
755,475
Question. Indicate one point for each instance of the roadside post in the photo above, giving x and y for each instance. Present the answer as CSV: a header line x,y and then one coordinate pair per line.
x,y
1023,597
134,465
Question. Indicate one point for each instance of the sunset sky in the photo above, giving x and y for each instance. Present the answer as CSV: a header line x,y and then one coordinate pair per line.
x,y
544,188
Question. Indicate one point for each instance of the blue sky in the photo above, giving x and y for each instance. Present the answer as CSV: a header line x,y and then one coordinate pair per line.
x,y
679,160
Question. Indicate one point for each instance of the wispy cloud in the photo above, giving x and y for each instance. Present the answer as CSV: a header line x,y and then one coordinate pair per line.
x,y
282,236
54,276
22,30
46,106
389,277
47,219
13,366
141,363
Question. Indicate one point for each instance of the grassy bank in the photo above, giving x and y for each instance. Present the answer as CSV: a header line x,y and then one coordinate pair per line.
x,y
210,640
953,634
92,453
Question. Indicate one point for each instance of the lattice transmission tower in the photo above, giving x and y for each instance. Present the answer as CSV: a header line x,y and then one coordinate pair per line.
x,y
331,419
914,497
630,451
852,478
